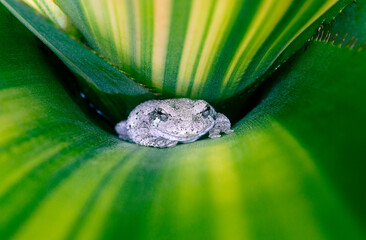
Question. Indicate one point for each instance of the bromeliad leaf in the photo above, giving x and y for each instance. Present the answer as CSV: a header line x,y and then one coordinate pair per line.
x,y
199,49
348,27
112,90
293,169
194,61
50,9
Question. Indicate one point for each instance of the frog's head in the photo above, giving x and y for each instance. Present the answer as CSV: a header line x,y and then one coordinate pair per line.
x,y
182,119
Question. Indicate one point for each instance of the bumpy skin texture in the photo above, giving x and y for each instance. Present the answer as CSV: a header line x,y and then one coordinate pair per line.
x,y
164,123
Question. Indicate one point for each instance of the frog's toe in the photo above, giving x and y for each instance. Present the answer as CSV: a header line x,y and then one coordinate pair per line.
x,y
172,144
228,131
214,134
163,143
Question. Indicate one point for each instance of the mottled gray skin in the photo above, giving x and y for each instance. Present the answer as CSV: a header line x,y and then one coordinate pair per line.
x,y
164,123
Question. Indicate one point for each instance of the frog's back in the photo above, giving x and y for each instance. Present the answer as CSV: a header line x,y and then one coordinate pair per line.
x,y
141,113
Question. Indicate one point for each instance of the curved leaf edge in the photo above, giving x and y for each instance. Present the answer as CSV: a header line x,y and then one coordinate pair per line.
x,y
104,80
247,185
239,100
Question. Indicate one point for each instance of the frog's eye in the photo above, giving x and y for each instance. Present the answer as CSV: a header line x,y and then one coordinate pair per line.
x,y
161,115
206,111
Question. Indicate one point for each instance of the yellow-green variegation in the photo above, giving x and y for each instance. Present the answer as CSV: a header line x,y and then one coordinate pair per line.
x,y
198,49
293,168
50,9
209,49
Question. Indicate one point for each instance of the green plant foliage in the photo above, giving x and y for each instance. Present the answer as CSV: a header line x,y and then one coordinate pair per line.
x,y
113,91
293,169
50,9
352,22
199,49
116,94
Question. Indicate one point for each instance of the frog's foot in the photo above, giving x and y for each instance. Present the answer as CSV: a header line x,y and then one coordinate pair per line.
x,y
158,142
121,129
222,125
214,133
228,131
169,143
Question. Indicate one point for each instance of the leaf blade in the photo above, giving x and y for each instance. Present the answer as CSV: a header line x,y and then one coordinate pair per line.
x,y
223,47
269,179
95,74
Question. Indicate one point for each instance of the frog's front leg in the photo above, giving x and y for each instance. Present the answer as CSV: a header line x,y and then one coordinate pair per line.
x,y
140,134
222,124
121,129
144,137
158,142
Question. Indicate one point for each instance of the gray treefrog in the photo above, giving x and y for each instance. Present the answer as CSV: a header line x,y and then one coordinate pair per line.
x,y
164,123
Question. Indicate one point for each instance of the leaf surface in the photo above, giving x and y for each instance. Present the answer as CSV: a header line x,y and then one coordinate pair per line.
x,y
293,168
49,9
203,49
350,25
112,91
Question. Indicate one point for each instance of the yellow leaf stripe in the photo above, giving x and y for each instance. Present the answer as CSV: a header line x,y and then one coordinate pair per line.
x,y
210,49
49,9
62,177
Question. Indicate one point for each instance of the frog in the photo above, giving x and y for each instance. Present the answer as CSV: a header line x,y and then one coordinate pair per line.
x,y
165,123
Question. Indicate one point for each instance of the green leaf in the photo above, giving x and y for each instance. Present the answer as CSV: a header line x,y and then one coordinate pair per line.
x,y
197,49
115,94
350,25
111,90
293,169
50,9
